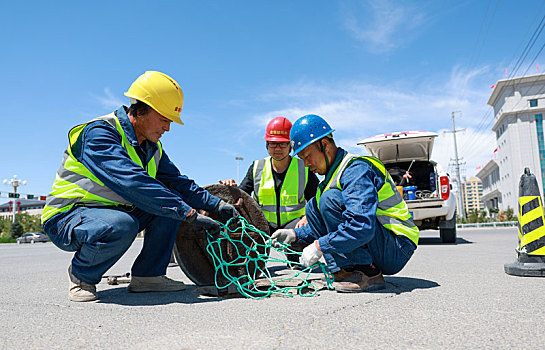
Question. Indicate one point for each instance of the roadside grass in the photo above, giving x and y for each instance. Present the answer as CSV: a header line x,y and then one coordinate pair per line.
x,y
7,240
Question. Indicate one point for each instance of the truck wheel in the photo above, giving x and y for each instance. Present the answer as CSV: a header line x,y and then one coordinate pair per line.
x,y
448,235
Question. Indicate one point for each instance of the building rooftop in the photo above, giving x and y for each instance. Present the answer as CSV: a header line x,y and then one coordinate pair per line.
x,y
503,83
487,169
24,203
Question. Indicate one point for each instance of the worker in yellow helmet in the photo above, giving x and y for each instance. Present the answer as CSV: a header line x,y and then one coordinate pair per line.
x,y
281,184
116,180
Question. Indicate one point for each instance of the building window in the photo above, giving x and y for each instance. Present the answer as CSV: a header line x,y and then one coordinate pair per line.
x,y
533,103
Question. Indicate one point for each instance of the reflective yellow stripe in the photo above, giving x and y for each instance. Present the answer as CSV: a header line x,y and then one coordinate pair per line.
x,y
392,211
75,184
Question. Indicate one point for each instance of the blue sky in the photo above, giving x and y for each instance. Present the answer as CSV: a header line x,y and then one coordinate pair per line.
x,y
368,67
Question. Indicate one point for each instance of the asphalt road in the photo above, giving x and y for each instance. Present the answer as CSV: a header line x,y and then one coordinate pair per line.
x,y
453,296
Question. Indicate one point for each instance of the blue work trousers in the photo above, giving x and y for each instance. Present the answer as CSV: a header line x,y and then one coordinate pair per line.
x,y
385,250
101,235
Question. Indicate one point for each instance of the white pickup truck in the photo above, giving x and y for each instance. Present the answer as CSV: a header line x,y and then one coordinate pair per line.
x,y
431,203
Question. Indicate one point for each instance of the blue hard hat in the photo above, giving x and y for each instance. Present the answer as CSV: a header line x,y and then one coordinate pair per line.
x,y
306,130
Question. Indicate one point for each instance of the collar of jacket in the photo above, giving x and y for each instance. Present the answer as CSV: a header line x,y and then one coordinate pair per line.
x,y
338,158
121,114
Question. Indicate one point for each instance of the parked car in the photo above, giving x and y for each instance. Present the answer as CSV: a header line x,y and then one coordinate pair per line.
x,y
428,191
32,238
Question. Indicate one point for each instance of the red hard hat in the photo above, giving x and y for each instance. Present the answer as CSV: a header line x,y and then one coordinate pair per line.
x,y
278,130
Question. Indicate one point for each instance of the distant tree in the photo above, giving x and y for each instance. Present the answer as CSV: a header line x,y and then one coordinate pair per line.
x,y
16,230
30,223
509,215
5,225
482,216
473,216
460,220
477,216
501,216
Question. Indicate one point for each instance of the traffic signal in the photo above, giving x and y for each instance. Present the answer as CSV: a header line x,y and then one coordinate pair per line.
x,y
29,196
14,195
42,198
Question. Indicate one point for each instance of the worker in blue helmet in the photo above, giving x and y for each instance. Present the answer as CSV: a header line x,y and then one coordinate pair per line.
x,y
358,220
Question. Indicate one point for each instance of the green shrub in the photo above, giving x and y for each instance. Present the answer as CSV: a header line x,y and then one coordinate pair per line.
x,y
16,230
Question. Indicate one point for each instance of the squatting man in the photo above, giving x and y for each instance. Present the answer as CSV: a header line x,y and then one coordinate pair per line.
x,y
116,180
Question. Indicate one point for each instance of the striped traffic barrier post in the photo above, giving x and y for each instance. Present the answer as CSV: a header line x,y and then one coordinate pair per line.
x,y
531,230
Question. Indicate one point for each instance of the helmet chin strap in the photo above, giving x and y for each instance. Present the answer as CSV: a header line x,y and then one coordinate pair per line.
x,y
322,149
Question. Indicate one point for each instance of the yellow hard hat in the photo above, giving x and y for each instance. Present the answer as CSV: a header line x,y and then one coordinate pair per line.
x,y
160,92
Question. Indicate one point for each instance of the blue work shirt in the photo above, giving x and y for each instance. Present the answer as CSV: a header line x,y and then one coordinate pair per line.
x,y
360,183
170,194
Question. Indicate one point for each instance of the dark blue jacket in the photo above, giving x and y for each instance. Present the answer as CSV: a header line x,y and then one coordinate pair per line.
x,y
360,184
170,194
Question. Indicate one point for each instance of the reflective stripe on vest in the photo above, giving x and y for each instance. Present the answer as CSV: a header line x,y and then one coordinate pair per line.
x,y
392,211
292,193
75,184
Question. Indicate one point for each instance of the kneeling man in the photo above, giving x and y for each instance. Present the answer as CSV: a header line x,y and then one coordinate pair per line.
x,y
358,220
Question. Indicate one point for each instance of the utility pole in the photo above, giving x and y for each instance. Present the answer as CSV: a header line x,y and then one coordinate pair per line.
x,y
238,159
457,165
15,182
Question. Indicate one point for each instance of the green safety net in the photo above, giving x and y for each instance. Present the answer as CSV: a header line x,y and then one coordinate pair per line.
x,y
252,248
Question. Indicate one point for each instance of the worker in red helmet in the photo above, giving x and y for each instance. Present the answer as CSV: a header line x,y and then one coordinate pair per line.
x,y
281,184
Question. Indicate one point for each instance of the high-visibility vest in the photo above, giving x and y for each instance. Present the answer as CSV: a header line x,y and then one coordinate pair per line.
x,y
392,211
292,193
75,184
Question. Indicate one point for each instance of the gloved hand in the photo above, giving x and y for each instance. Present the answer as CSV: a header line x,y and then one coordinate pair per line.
x,y
226,211
311,254
205,223
282,236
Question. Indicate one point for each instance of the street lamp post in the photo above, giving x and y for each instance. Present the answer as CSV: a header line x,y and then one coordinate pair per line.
x,y
238,159
15,182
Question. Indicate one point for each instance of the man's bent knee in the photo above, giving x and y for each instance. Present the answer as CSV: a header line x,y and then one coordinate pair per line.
x,y
107,226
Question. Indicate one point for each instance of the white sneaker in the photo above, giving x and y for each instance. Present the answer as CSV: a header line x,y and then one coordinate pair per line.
x,y
154,284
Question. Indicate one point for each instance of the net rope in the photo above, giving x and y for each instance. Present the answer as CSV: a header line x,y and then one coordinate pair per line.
x,y
248,258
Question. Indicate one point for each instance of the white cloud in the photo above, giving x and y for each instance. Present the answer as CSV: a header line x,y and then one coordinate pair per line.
x,y
109,101
382,25
359,110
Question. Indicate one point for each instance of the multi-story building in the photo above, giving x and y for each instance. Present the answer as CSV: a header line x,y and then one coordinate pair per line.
x,y
32,207
519,107
490,176
472,192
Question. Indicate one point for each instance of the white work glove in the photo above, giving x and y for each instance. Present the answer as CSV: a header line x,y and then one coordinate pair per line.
x,y
284,236
311,254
